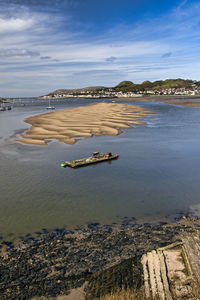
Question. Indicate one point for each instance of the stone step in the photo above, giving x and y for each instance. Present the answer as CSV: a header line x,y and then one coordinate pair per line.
x,y
155,279
178,274
168,272
164,275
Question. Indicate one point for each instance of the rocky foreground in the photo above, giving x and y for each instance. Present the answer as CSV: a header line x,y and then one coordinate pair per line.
x,y
105,256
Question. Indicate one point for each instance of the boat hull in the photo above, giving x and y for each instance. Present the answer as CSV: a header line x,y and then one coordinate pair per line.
x,y
50,107
87,161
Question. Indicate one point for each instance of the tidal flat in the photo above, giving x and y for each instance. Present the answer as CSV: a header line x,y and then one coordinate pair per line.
x,y
70,125
184,100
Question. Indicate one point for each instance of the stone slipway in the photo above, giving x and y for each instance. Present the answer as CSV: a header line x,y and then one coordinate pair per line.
x,y
173,272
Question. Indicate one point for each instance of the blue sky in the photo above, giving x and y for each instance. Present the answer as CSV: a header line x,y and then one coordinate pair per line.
x,y
51,44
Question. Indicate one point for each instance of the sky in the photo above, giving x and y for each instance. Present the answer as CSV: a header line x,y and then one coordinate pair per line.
x,y
55,44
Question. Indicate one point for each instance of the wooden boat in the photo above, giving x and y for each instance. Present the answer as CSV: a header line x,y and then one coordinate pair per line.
x,y
95,158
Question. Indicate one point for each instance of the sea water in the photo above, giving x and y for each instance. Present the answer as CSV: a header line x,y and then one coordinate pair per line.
x,y
156,178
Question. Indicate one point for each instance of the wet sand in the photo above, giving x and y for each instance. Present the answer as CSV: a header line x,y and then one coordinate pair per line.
x,y
193,102
70,125
190,100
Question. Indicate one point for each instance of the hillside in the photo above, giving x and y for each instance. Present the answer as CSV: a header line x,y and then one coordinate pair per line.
x,y
169,86
77,91
128,86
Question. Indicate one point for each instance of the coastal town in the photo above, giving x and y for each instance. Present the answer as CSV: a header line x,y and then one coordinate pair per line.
x,y
127,89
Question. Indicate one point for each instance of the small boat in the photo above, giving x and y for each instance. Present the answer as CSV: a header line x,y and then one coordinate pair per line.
x,y
2,106
50,107
95,158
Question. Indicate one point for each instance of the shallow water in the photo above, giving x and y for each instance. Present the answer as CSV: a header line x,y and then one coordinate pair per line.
x,y
156,176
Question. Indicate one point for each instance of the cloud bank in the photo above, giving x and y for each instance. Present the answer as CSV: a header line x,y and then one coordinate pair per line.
x,y
18,53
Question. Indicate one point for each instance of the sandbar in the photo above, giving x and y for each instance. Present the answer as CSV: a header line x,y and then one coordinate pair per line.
x,y
70,125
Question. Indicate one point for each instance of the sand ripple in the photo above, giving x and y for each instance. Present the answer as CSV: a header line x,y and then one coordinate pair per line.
x,y
85,121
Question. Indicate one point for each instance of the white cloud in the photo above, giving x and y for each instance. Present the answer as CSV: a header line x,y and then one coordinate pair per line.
x,y
14,24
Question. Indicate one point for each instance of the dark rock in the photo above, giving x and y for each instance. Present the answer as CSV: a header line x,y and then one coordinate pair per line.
x,y
57,261
11,234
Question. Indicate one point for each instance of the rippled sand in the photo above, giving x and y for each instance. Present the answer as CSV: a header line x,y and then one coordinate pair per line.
x,y
70,125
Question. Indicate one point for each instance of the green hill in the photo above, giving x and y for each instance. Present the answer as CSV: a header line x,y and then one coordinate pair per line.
x,y
127,86
124,84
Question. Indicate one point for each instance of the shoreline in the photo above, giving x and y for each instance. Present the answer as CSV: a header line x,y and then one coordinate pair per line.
x,y
193,101
185,100
10,240
156,98
63,260
113,98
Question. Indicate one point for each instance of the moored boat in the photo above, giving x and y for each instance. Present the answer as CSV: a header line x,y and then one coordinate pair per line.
x,y
2,106
50,107
95,158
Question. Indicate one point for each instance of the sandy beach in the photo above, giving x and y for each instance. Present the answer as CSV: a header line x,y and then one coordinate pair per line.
x,y
70,125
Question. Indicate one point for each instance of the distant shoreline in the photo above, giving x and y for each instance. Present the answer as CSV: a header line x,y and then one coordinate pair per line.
x,y
166,99
186,100
116,98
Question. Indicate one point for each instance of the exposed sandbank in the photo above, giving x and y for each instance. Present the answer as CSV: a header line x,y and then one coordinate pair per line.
x,y
85,121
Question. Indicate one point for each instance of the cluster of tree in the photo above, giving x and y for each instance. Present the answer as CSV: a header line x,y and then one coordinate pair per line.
x,y
128,86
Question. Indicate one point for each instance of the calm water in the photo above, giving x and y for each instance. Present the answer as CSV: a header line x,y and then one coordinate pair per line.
x,y
156,176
